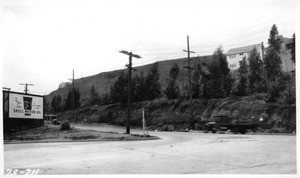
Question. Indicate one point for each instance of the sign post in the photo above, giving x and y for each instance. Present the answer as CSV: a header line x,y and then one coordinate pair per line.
x,y
144,123
22,111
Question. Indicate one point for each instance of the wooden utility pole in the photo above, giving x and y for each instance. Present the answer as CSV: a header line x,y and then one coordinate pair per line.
x,y
6,88
73,94
190,82
26,86
129,66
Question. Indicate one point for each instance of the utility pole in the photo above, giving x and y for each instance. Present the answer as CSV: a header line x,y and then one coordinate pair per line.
x,y
190,82
6,88
26,86
129,66
73,93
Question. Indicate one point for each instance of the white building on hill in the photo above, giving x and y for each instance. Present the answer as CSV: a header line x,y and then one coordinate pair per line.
x,y
235,55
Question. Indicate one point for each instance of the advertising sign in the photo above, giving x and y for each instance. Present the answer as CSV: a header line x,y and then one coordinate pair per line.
x,y
25,106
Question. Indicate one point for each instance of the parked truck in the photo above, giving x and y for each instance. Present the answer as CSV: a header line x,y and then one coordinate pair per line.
x,y
234,123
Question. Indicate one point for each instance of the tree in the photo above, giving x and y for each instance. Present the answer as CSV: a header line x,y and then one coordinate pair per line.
x,y
220,78
272,63
47,106
256,79
118,92
56,104
69,99
242,83
53,104
185,90
196,82
216,82
152,82
272,60
105,99
139,88
275,39
174,72
206,85
225,71
172,90
94,96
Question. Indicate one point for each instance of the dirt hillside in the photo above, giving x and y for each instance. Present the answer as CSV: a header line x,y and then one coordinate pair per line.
x,y
174,113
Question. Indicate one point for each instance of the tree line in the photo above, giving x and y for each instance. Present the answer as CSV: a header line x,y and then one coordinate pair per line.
x,y
143,88
208,81
58,104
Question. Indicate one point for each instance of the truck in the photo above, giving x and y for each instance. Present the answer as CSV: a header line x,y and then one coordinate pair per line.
x,y
233,123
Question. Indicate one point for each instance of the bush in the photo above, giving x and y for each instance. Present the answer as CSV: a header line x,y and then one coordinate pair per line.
x,y
65,126
290,97
106,118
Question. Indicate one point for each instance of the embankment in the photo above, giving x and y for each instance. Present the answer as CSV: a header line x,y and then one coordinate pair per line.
x,y
174,114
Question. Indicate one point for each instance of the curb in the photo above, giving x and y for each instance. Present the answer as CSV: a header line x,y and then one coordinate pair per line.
x,y
87,140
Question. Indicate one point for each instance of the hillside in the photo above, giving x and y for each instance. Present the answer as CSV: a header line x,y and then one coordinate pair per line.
x,y
103,81
174,114
161,113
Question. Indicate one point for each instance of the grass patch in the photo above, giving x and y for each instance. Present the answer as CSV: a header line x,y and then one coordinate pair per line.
x,y
53,132
83,137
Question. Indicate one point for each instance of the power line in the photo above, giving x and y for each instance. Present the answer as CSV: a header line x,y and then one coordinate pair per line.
x,y
230,37
221,36
210,48
248,35
213,47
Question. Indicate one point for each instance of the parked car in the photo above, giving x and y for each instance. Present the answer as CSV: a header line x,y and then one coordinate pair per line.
x,y
50,117
55,122
235,124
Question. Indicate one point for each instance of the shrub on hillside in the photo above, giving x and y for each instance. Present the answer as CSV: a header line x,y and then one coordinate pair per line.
x,y
105,118
65,126
289,97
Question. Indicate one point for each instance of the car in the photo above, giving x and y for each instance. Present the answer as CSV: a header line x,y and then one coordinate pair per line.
x,y
55,122
235,124
50,117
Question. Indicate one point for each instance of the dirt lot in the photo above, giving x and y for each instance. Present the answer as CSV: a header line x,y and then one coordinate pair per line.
x,y
52,133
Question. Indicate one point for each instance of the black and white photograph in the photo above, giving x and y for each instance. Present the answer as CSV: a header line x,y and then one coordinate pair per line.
x,y
149,88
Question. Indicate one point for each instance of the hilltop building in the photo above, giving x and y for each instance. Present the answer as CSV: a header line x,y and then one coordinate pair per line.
x,y
235,55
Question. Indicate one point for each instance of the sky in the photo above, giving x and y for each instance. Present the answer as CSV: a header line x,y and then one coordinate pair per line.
x,y
44,40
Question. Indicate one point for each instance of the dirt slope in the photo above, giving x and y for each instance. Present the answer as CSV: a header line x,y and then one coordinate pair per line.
x,y
159,113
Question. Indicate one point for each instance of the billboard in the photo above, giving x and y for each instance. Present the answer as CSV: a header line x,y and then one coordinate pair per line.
x,y
25,106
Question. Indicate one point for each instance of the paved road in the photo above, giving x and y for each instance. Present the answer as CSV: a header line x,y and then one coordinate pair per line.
x,y
176,152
